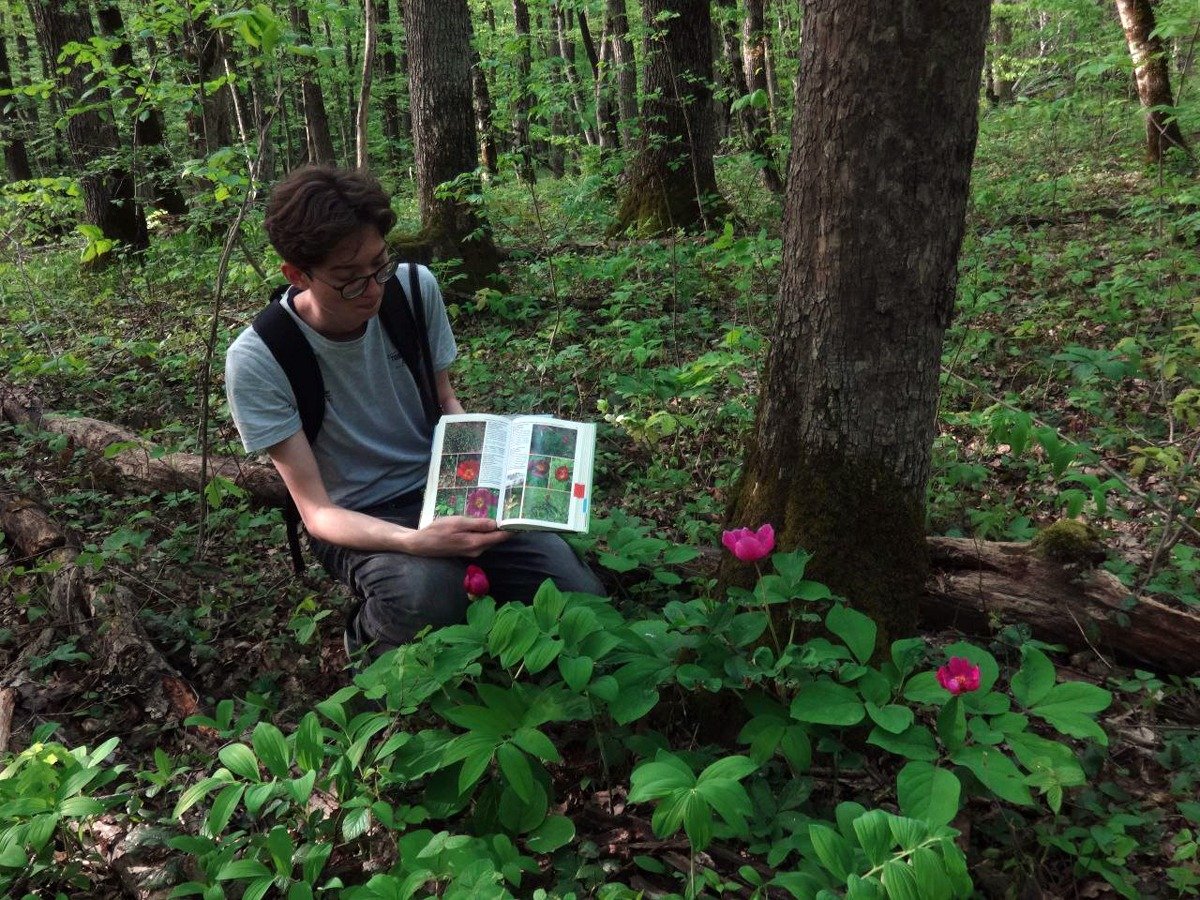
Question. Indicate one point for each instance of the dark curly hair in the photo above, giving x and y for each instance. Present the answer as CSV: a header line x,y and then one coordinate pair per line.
x,y
315,207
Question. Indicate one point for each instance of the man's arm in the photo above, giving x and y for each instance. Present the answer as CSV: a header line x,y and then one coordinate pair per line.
x,y
445,392
448,536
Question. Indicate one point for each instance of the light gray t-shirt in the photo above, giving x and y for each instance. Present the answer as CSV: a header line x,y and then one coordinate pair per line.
x,y
374,441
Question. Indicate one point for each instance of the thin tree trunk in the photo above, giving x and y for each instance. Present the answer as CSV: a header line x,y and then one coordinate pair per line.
x,y
603,82
387,69
16,160
884,134
1000,83
108,196
343,94
566,52
754,55
155,180
752,119
774,102
523,100
481,99
316,120
1153,78
616,24
362,157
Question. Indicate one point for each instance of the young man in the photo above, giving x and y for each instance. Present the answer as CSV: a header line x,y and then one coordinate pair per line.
x,y
358,487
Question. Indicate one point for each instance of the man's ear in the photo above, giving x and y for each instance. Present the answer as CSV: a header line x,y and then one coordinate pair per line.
x,y
294,275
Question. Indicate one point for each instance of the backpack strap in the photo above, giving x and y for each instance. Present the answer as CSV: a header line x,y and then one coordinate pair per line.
x,y
403,320
295,356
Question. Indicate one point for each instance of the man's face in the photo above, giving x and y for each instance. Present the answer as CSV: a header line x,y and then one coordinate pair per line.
x,y
357,258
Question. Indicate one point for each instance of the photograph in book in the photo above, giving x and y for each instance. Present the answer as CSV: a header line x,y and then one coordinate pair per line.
x,y
526,472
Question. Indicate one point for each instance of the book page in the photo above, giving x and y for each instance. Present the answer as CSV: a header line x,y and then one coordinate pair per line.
x,y
547,482
466,471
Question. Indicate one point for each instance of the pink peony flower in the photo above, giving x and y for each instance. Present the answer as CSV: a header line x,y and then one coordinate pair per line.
x,y
747,545
479,503
476,582
959,676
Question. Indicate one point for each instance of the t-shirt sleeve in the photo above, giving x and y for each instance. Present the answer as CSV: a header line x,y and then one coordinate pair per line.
x,y
260,398
441,337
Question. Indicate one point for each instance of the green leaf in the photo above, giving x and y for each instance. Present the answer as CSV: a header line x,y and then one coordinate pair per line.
x,y
856,630
874,836
1070,707
893,718
310,750
952,724
196,793
536,744
240,760
515,766
542,653
271,747
698,822
900,881
926,792
996,772
915,742
631,705
244,869
576,671
734,768
665,774
823,702
222,809
555,832
833,850
931,875
356,823
924,688
258,795
1035,678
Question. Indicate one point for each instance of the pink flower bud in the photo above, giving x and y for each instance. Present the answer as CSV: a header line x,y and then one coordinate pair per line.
x,y
959,676
476,582
750,546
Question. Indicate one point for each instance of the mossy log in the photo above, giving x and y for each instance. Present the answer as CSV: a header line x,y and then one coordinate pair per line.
x,y
100,616
138,464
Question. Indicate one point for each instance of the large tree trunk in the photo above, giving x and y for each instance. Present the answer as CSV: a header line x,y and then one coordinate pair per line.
x,y
108,195
439,50
1153,78
12,134
672,182
616,26
157,184
877,187
754,120
316,120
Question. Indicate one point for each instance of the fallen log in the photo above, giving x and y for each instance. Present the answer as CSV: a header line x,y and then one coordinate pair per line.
x,y
102,617
123,459
975,585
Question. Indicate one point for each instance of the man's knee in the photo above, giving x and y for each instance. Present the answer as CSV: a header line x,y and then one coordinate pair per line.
x,y
401,595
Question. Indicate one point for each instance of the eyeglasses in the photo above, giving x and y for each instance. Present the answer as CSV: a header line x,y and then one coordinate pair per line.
x,y
352,290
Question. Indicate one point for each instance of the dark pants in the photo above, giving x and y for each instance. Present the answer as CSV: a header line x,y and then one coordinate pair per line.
x,y
400,594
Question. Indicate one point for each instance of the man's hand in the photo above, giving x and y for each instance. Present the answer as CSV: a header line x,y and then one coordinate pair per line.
x,y
454,536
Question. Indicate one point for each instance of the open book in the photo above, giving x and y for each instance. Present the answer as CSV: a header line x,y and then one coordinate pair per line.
x,y
529,473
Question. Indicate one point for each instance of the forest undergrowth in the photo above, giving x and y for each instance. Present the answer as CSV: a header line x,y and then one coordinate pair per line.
x,y
659,742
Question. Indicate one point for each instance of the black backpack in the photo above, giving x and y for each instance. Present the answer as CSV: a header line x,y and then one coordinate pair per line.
x,y
403,321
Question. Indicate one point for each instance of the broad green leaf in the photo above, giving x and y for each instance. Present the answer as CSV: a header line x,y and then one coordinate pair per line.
x,y
900,882
931,875
668,816
240,760
515,766
665,774
874,836
356,823
952,724
833,850
576,671
271,747
630,705
258,795
915,742
1035,678
856,630
733,768
893,718
555,832
243,869
698,822
1070,707
222,809
536,744
924,688
310,751
927,792
823,702
195,793
996,771
796,748
543,652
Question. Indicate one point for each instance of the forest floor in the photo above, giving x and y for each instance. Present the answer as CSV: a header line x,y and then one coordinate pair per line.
x,y
1071,388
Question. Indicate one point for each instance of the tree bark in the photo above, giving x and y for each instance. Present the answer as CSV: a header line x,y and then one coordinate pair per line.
x,y
481,100
108,195
672,182
1000,83
388,88
16,159
154,173
316,121
210,125
616,26
602,83
439,51
754,55
1153,78
362,119
523,100
755,124
883,141
566,52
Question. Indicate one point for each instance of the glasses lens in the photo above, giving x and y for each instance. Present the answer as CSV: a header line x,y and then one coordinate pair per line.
x,y
354,289
388,270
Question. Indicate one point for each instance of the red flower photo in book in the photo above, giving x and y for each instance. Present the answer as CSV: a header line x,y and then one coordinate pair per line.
x,y
562,473
482,503
468,469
